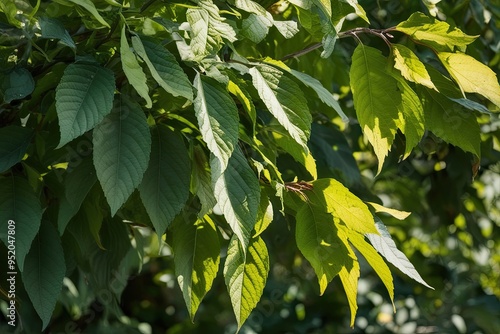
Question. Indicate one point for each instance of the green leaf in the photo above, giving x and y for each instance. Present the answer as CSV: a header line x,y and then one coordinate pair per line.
x,y
17,84
217,118
122,146
264,216
287,28
343,204
133,71
325,6
401,215
296,151
285,100
52,28
238,195
472,76
15,140
376,99
375,261
84,96
245,273
165,187
201,181
450,122
434,33
44,271
410,66
358,10
90,7
163,66
384,244
255,27
349,276
319,240
196,249
19,203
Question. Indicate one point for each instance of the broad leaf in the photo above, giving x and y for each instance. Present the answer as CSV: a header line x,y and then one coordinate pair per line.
x,y
84,97
320,242
52,28
401,215
384,244
238,195
44,271
411,68
255,27
376,99
357,9
196,249
165,185
20,204
349,276
343,204
472,76
437,34
217,117
90,7
122,146
163,66
17,84
264,215
245,273
15,141
284,99
201,181
133,71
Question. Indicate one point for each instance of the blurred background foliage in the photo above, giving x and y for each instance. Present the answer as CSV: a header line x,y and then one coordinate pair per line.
x,y
451,237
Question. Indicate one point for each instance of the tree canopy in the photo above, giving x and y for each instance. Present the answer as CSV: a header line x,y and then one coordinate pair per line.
x,y
164,164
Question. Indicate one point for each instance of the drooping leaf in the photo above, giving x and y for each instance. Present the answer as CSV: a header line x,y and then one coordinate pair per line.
x,y
264,215
287,28
296,151
357,9
44,271
238,195
217,117
17,84
163,66
245,273
165,185
471,75
84,97
133,71
19,203
376,99
384,244
349,276
196,249
122,146
411,68
15,140
284,99
401,215
343,204
255,27
437,34
201,181
320,242
90,7
52,28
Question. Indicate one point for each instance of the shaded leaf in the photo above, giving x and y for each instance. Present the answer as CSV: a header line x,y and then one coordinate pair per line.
x,y
90,7
15,140
17,84
52,28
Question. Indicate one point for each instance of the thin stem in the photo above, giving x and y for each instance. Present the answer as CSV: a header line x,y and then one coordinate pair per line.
x,y
302,52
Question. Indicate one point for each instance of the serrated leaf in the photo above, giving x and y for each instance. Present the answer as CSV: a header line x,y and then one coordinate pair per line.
x,y
122,146
201,182
349,276
264,216
375,261
319,240
52,28
163,66
450,122
376,99
84,96
410,66
255,27
401,215
244,97
437,34
284,99
245,273
196,249
198,20
287,29
165,186
384,244
238,194
133,71
217,118
472,76
15,140
343,204
17,84
44,271
19,203
323,94
90,7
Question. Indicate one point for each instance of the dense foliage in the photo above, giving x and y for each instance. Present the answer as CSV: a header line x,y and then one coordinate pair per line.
x,y
151,151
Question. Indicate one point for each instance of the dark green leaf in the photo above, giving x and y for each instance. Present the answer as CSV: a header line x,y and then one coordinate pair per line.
x,y
17,84
15,141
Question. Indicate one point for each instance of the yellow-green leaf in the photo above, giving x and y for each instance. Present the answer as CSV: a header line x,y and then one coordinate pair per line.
x,y
471,75
349,276
410,66
401,215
